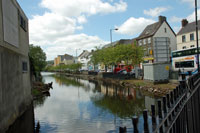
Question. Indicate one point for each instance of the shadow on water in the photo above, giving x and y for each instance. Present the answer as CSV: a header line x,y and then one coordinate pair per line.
x,y
24,124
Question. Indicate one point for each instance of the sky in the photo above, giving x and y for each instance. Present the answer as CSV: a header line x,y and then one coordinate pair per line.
x,y
71,26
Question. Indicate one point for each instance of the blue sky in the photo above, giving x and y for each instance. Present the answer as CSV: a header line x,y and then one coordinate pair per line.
x,y
62,26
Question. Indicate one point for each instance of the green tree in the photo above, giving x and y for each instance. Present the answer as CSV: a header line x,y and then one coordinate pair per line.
x,y
37,58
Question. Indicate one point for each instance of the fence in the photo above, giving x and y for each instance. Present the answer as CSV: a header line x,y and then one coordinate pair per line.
x,y
178,111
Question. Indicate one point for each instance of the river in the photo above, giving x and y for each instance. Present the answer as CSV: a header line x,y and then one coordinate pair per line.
x,y
82,106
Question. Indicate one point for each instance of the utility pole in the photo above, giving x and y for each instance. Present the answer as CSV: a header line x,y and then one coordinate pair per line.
x,y
197,40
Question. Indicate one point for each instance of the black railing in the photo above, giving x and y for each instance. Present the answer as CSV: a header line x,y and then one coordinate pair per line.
x,y
178,111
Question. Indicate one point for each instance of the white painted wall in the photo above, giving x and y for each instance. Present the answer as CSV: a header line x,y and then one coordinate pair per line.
x,y
187,43
84,62
10,22
169,34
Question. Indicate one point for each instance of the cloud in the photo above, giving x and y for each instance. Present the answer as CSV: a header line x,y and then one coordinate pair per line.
x,y
79,7
191,17
175,19
155,12
133,26
176,29
70,43
55,29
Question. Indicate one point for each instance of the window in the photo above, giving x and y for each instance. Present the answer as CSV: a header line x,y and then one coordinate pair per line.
x,y
185,64
149,40
192,37
184,47
24,66
140,42
144,41
165,30
192,46
23,23
183,38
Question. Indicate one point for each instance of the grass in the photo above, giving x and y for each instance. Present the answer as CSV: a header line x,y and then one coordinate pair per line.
x,y
35,92
152,85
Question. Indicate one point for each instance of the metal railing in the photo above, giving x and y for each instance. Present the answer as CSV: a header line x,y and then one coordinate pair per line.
x,y
178,111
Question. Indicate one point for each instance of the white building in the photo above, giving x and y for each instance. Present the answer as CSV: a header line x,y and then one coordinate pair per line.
x,y
186,37
151,35
84,58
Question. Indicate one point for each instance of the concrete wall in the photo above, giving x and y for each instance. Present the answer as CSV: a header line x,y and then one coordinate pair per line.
x,y
15,89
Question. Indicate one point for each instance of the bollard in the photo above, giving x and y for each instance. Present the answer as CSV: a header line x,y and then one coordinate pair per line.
x,y
159,109
164,105
145,116
168,102
122,129
153,111
171,98
175,97
135,122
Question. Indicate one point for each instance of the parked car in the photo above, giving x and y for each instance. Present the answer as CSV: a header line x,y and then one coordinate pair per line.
x,y
123,71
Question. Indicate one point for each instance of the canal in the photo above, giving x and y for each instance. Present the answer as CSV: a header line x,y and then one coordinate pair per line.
x,y
82,106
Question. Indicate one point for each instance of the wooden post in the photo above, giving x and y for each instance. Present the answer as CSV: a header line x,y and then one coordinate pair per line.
x,y
168,102
164,105
153,111
122,129
145,116
135,122
159,109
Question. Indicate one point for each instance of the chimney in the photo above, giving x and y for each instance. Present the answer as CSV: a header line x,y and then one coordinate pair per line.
x,y
162,19
184,22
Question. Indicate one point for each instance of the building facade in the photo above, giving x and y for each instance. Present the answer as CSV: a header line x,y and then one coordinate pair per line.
x,y
186,37
84,58
154,32
64,59
15,83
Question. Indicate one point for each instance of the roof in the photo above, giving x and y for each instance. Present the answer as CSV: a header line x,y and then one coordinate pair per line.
x,y
84,54
66,57
150,30
189,28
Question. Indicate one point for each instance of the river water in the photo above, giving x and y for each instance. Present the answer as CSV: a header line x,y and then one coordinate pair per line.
x,y
82,106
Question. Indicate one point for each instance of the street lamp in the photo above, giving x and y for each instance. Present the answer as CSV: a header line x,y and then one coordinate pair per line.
x,y
197,40
76,55
111,34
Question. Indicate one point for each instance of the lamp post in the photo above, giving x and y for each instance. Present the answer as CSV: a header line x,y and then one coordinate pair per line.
x,y
76,55
111,34
197,40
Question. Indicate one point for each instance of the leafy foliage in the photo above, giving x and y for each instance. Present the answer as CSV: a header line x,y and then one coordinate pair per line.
x,y
37,58
72,67
130,54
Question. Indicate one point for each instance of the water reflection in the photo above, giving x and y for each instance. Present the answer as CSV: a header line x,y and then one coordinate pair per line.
x,y
24,124
77,105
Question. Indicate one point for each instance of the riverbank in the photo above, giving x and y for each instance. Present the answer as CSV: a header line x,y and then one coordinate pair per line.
x,y
147,87
39,89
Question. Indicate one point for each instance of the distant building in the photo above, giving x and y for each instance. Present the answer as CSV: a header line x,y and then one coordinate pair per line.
x,y
186,37
150,37
15,82
64,59
84,58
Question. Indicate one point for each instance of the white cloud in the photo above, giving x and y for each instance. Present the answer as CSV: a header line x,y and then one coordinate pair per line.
x,y
82,19
70,43
55,29
79,7
134,26
191,17
175,19
155,12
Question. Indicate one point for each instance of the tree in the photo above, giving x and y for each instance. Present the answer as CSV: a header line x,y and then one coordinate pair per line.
x,y
37,58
